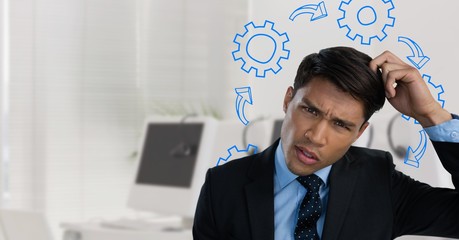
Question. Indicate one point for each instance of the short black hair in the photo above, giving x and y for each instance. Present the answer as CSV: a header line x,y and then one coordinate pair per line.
x,y
348,69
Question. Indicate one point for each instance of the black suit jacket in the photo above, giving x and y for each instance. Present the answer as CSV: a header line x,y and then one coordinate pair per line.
x,y
368,199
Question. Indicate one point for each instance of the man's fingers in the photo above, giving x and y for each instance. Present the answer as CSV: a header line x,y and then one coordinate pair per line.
x,y
383,58
390,81
393,74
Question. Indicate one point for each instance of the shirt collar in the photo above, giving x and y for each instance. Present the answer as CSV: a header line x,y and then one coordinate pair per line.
x,y
285,176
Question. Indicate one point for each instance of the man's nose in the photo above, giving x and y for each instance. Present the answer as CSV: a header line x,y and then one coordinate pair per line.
x,y
317,134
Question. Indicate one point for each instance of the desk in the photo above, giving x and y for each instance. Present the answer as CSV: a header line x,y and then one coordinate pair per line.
x,y
95,231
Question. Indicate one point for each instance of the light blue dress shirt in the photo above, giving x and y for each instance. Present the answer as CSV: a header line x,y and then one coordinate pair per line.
x,y
288,193
445,132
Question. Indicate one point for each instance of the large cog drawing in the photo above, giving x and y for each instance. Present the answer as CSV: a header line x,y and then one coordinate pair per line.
x,y
233,150
438,88
261,65
361,19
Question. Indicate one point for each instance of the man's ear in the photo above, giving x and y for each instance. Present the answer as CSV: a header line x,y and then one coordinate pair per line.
x,y
288,98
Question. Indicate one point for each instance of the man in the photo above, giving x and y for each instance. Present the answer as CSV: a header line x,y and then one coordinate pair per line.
x,y
311,184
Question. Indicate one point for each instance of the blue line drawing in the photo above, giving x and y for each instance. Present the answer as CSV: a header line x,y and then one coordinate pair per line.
x,y
244,95
317,11
417,57
438,88
248,39
233,150
361,20
413,157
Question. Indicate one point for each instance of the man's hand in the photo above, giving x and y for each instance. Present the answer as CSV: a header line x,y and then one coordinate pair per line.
x,y
407,92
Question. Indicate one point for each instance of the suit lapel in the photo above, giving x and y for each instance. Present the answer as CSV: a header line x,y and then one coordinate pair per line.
x,y
342,179
260,195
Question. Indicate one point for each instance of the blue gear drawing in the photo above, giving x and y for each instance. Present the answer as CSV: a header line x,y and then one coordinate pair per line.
x,y
351,19
233,150
438,88
261,67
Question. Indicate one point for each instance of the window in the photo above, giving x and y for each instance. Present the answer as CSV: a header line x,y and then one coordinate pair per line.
x,y
84,74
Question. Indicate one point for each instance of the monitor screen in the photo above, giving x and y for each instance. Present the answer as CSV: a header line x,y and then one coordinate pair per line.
x,y
174,155
169,154
277,125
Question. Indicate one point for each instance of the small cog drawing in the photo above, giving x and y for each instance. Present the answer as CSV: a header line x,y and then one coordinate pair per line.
x,y
234,150
362,20
254,35
438,88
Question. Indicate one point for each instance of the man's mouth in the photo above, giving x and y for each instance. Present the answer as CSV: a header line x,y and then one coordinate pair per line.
x,y
306,156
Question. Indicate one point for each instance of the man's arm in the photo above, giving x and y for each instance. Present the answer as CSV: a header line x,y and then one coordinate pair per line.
x,y
407,92
445,132
418,207
445,137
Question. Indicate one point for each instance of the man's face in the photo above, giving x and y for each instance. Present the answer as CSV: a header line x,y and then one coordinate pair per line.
x,y
320,124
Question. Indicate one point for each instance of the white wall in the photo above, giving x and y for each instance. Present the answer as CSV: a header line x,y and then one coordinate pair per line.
x,y
84,75
432,26
73,107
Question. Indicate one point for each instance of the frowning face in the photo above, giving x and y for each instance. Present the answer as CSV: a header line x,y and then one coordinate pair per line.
x,y
321,122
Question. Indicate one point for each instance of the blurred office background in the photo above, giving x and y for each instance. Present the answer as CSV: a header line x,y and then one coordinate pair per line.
x,y
78,78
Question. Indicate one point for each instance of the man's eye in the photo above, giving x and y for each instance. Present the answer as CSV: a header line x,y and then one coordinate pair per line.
x,y
311,111
341,124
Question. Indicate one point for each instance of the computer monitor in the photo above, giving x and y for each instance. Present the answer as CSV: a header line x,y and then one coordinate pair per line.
x,y
276,130
173,158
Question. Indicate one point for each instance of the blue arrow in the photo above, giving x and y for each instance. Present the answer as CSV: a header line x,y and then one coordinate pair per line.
x,y
244,95
417,58
413,157
318,11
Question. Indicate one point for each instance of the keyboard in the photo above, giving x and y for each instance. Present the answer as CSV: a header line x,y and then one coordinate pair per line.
x,y
142,224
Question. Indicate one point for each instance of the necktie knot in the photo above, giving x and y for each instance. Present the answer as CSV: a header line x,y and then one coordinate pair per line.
x,y
311,182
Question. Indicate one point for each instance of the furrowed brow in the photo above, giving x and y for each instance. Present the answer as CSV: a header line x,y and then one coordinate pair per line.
x,y
321,112
312,105
345,122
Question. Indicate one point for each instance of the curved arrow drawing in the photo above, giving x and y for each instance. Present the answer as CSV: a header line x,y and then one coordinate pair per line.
x,y
318,11
244,95
417,58
413,157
